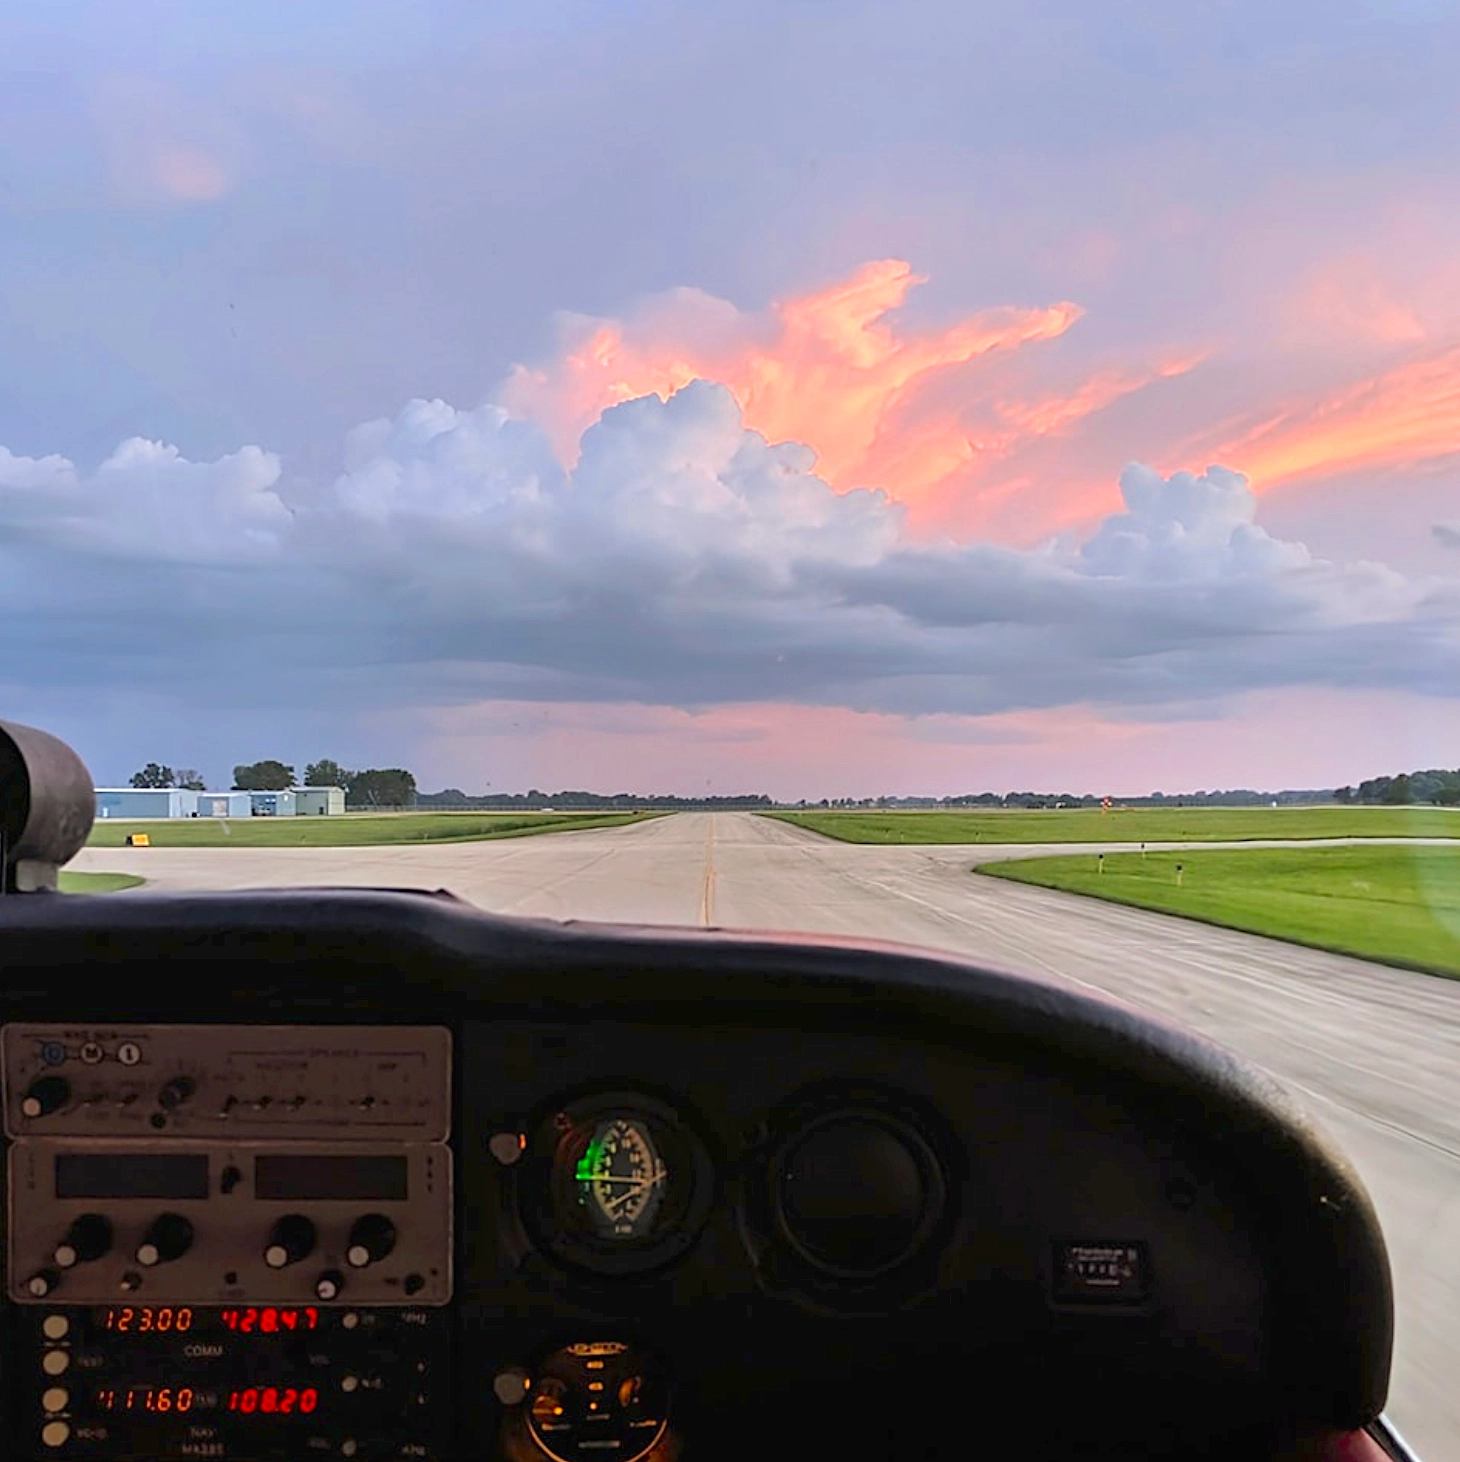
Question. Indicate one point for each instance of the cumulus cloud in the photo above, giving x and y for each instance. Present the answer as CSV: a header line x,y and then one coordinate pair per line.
x,y
828,368
1447,533
147,501
685,560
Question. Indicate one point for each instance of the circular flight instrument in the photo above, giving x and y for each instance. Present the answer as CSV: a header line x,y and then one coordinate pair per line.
x,y
616,1184
621,1178
590,1398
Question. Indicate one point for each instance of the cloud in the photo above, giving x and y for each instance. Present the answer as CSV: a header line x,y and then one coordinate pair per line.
x,y
1186,529
163,146
147,502
827,369
1348,300
684,561
1409,413
1447,533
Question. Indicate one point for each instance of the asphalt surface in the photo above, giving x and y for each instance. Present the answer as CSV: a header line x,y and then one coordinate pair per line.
x,y
1373,1052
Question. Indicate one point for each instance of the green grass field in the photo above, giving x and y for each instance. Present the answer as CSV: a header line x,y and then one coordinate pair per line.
x,y
98,882
351,830
1135,825
1395,904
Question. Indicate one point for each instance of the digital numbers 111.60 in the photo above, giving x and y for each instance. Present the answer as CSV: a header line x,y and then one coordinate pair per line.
x,y
146,1398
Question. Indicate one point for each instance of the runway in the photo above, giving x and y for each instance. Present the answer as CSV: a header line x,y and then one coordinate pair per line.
x,y
1373,1052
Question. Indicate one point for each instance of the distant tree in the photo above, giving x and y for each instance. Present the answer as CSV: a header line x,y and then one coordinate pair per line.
x,y
191,780
263,776
153,775
1344,794
326,773
381,787
1398,791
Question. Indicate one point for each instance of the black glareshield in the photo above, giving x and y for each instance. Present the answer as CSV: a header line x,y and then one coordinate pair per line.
x,y
47,806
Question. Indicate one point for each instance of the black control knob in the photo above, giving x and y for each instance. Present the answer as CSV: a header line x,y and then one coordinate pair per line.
x,y
169,1238
371,1239
291,1239
329,1284
45,1095
175,1092
43,1282
88,1238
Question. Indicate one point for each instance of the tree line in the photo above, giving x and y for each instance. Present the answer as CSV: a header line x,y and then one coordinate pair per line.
x,y
372,787
536,800
1437,785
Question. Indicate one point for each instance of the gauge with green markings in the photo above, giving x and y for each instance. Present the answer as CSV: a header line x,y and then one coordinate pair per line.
x,y
616,1184
621,1179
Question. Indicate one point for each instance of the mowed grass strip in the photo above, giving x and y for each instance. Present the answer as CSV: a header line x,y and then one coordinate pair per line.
x,y
1133,825
1399,905
73,882
351,830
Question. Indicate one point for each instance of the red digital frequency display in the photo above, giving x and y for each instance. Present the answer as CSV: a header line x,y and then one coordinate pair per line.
x,y
273,1400
147,1319
246,1400
168,1319
146,1398
267,1320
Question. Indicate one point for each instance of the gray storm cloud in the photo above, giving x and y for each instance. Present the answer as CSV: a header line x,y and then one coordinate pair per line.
x,y
685,560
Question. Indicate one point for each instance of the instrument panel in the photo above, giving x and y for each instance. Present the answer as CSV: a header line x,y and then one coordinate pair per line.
x,y
610,1195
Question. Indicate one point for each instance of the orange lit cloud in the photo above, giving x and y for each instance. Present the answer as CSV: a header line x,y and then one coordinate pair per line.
x,y
826,369
1407,414
925,416
162,145
1349,300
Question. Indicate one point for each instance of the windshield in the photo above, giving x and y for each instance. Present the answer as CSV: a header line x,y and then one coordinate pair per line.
x,y
983,475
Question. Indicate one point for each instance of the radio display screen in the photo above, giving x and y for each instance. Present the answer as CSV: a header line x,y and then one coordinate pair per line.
x,y
265,1383
131,1175
363,1177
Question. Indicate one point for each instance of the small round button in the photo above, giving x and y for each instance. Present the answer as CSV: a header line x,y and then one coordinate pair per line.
x,y
328,1287
43,1282
129,1053
349,1383
55,1327
56,1398
348,1447
92,1053
511,1385
54,1433
55,1362
53,1053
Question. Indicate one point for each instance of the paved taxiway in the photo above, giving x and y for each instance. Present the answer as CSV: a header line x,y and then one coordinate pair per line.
x,y
1374,1053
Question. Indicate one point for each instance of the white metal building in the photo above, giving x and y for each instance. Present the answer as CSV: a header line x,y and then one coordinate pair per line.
x,y
224,804
142,802
319,801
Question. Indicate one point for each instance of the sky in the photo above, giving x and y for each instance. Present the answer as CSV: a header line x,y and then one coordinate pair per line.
x,y
820,399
